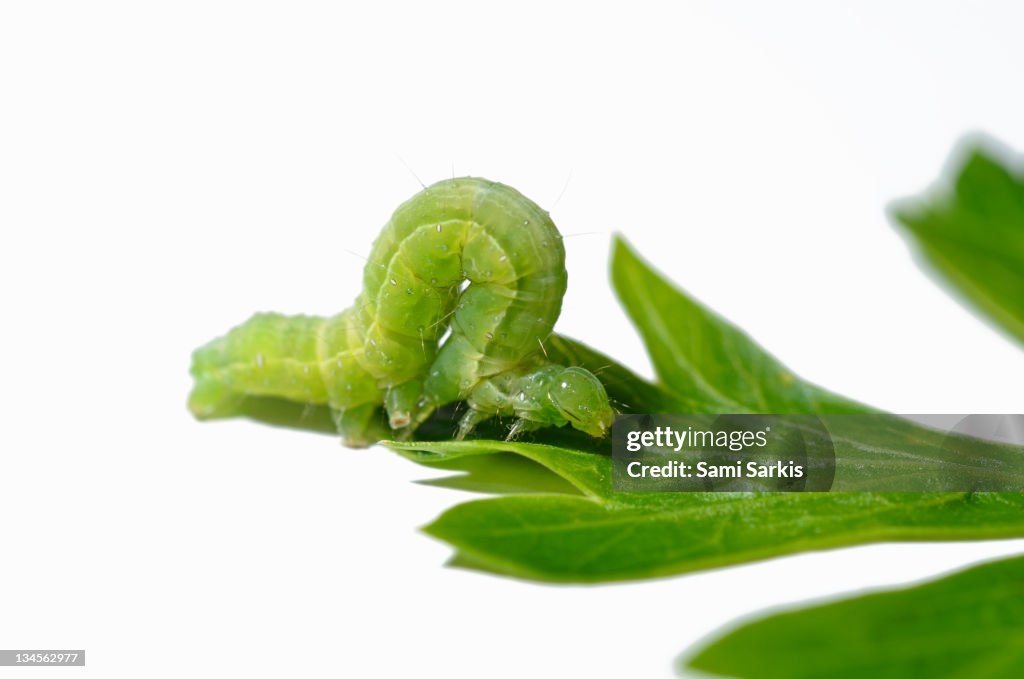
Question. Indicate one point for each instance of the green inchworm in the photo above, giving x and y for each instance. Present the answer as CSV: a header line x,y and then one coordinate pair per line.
x,y
466,255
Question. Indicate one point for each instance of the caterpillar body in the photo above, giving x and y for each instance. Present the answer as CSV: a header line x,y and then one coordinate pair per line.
x,y
468,257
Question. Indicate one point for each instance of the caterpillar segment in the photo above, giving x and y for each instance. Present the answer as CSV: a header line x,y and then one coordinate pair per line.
x,y
468,257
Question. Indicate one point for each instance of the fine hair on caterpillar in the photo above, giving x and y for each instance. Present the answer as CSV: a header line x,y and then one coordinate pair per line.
x,y
461,289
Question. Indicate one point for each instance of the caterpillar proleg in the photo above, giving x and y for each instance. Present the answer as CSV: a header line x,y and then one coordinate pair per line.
x,y
386,351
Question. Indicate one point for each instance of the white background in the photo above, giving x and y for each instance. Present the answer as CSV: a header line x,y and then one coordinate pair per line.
x,y
166,169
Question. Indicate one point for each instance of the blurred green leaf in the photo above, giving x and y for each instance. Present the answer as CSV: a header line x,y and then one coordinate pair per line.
x,y
969,229
970,624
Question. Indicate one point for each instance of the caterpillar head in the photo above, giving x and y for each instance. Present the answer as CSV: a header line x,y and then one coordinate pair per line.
x,y
581,399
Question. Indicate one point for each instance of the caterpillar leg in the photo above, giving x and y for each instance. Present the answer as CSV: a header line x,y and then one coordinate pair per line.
x,y
519,426
469,421
402,403
361,426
